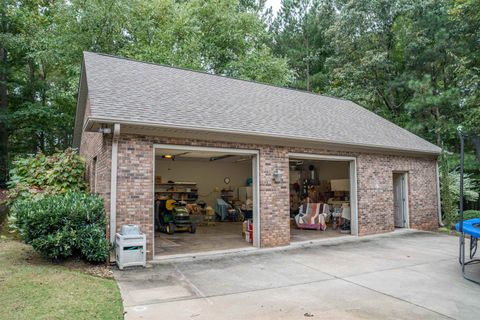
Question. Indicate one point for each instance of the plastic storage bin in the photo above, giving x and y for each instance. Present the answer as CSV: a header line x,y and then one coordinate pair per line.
x,y
130,250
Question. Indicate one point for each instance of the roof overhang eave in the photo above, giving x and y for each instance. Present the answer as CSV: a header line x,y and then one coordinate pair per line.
x,y
80,110
93,123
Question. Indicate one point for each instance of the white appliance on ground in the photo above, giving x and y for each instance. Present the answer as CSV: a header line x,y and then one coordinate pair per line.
x,y
130,247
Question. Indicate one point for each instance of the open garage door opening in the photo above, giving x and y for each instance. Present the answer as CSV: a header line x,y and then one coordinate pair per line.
x,y
205,200
322,198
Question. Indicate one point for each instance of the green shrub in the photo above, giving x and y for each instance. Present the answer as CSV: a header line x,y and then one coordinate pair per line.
x,y
64,225
470,214
40,174
93,245
469,186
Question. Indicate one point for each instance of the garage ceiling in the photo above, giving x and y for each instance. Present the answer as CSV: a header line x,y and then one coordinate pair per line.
x,y
200,155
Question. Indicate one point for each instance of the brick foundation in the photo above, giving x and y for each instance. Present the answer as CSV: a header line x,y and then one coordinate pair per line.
x,y
374,184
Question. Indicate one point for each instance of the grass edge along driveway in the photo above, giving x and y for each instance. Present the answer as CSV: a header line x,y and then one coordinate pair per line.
x,y
33,288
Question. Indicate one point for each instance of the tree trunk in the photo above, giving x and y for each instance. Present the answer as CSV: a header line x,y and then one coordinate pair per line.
x,y
307,62
35,142
3,101
476,143
437,130
43,92
3,111
436,110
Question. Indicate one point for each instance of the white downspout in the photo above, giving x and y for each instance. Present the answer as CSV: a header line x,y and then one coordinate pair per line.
x,y
113,186
439,201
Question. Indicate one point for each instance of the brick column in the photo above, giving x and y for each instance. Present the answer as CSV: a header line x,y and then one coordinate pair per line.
x,y
135,186
375,194
274,198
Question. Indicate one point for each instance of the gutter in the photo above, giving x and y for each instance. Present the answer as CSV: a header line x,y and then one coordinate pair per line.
x,y
439,201
113,181
91,120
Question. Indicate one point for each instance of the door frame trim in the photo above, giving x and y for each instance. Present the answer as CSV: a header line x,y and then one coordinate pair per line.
x,y
404,174
353,181
255,176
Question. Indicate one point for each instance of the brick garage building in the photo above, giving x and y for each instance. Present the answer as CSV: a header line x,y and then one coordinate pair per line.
x,y
126,109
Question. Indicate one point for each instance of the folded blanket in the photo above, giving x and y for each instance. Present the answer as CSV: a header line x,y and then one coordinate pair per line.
x,y
221,208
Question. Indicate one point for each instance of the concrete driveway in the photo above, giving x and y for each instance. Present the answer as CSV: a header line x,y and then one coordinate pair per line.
x,y
402,275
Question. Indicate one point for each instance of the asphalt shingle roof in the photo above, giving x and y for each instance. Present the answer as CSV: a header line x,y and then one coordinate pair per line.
x,y
126,90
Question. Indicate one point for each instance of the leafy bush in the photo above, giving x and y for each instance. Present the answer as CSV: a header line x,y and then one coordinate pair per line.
x,y
469,186
40,174
450,191
470,214
65,225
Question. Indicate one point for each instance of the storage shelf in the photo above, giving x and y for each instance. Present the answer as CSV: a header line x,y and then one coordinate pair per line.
x,y
180,193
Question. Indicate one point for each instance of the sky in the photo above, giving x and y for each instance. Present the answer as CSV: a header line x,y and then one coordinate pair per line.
x,y
275,4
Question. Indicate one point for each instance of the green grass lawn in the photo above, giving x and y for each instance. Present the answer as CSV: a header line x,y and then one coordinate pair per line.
x,y
33,288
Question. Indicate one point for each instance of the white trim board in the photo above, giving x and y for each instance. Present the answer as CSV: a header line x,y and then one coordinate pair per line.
x,y
206,149
314,156
407,201
439,202
113,183
349,144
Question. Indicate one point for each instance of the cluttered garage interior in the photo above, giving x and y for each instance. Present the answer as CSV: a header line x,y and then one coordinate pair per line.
x,y
207,200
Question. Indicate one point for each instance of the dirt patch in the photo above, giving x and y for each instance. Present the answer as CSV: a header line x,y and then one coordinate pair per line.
x,y
98,270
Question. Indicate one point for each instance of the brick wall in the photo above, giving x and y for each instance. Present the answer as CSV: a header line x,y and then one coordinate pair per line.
x,y
99,146
274,197
135,173
135,186
374,178
375,189
375,192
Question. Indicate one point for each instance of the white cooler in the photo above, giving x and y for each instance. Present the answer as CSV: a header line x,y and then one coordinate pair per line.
x,y
130,250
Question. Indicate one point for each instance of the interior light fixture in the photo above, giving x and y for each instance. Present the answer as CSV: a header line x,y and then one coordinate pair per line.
x,y
167,156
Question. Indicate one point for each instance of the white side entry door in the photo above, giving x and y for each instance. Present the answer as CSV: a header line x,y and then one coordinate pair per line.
x,y
399,200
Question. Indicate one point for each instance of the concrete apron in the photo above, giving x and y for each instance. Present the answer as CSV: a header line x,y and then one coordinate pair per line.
x,y
402,275
159,259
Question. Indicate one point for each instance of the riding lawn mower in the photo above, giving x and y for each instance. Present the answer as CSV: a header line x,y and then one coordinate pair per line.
x,y
173,216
